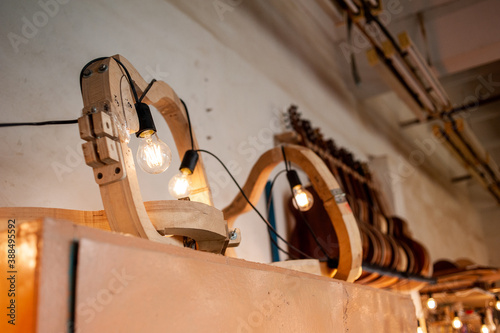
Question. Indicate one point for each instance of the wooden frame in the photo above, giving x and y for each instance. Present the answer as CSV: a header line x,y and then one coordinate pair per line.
x,y
109,107
109,116
349,267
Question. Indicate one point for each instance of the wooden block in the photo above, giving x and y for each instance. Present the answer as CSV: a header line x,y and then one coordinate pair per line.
x,y
103,125
107,150
85,128
388,48
404,40
372,56
90,155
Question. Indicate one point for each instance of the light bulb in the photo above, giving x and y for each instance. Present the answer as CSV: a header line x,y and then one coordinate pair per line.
x,y
420,330
153,155
497,305
457,323
484,329
303,199
180,185
431,303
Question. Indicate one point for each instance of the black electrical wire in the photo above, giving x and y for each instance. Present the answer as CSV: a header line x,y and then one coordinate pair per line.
x,y
87,65
275,243
145,92
287,168
136,98
183,104
387,34
268,206
303,217
74,121
42,123
269,226
251,205
189,124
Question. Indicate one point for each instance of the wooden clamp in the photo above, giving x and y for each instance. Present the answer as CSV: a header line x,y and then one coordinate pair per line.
x,y
349,266
109,117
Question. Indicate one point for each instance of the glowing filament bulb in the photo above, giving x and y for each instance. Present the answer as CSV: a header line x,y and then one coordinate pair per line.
x,y
303,198
420,330
180,185
153,155
484,329
497,305
431,303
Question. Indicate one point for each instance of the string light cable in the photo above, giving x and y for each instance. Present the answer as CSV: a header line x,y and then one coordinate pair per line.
x,y
41,123
75,121
189,154
268,204
303,217
251,205
129,78
268,208
270,227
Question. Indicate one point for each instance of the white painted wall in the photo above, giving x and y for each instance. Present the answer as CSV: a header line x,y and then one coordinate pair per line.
x,y
228,64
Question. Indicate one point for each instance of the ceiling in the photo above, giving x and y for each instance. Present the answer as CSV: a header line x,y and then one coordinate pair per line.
x,y
460,39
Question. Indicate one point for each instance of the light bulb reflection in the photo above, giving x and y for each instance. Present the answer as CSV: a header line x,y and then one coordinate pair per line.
x,y
431,303
457,323
303,199
153,155
180,185
27,252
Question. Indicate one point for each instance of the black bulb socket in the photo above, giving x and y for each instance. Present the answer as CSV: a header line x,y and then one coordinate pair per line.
x,y
293,178
332,263
146,123
189,161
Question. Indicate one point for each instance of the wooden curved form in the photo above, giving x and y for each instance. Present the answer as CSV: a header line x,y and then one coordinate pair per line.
x,y
106,90
349,267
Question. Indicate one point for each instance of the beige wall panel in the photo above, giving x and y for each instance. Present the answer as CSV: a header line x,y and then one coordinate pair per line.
x,y
129,289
